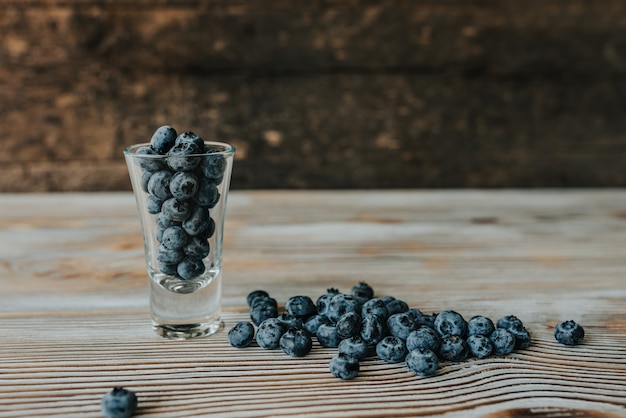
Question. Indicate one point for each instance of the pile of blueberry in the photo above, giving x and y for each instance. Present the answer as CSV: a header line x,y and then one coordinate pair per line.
x,y
181,188
360,325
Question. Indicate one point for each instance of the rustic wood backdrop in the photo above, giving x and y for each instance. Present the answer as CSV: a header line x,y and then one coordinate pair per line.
x,y
318,94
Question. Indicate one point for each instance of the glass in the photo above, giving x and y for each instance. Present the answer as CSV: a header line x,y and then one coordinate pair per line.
x,y
181,201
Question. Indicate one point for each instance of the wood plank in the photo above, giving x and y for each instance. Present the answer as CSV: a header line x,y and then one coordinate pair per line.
x,y
74,317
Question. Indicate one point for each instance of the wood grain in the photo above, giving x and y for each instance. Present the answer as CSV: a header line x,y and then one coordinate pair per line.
x,y
74,320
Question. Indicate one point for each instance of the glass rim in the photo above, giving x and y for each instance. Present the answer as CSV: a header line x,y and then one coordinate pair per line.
x,y
228,149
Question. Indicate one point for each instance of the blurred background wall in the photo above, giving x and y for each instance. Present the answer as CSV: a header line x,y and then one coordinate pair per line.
x,y
318,94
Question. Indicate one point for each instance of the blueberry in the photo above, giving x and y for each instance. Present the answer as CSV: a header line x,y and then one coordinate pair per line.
x,y
241,335
198,221
349,325
327,335
569,333
422,361
480,325
414,314
355,347
263,309
290,321
153,204
344,366
190,267
176,210
453,348
400,325
119,403
516,327
427,320
394,305
214,166
163,221
503,342
209,231
450,322
192,138
208,194
423,337
197,247
184,185
391,349
323,301
255,294
314,322
373,328
145,179
375,306
341,304
148,163
269,333
168,256
168,268
163,139
362,292
296,342
159,184
301,306
174,238
480,345
183,156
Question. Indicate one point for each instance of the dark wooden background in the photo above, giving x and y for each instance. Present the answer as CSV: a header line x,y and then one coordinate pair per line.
x,y
318,94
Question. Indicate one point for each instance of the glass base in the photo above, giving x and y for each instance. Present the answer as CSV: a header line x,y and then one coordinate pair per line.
x,y
187,331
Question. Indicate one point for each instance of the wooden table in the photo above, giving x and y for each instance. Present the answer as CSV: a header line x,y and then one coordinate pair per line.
x,y
74,319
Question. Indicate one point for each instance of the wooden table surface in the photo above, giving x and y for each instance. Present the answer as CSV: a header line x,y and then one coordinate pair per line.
x,y
74,319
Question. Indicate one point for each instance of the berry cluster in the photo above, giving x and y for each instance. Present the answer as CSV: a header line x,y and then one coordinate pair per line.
x,y
359,324
181,188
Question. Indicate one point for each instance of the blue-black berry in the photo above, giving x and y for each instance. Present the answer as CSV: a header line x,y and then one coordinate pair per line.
x,y
341,304
241,335
422,361
450,323
391,349
269,333
324,300
375,306
163,139
362,292
355,347
313,323
255,294
373,329
300,306
400,325
327,336
480,345
569,333
503,342
262,309
344,366
480,325
349,325
119,403
296,342
423,337
453,348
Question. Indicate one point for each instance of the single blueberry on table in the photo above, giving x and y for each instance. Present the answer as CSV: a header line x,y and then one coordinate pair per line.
x,y
197,247
423,337
296,342
148,163
323,300
480,325
480,345
503,342
327,335
241,335
355,347
269,333
569,333
119,403
341,304
450,323
375,306
159,184
163,139
174,238
176,210
314,322
168,256
190,267
400,325
453,348
422,361
302,307
391,349
184,185
344,366
373,328
349,325
262,309
362,292
255,294
198,221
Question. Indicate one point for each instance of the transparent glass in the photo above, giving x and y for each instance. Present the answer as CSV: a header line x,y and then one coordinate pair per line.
x,y
182,203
